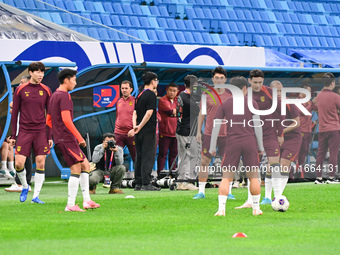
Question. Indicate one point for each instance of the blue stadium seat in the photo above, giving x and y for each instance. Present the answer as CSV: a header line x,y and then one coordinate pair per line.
x,y
55,16
273,28
144,22
225,28
331,42
199,13
281,28
269,4
241,27
127,9
83,30
172,24
79,6
215,38
287,18
268,41
189,25
337,42
308,41
125,37
257,27
58,3
198,37
31,5
327,31
314,41
276,41
256,16
87,20
45,15
289,28
153,22
96,17
142,35
154,10
298,6
297,29
250,27
145,10
19,4
113,35
40,5
132,32
198,25
266,29
284,41
309,19
134,21
224,39
69,5
180,24
104,35
306,7
333,31
180,37
161,36
162,22
319,31
207,39
233,27
279,16
89,6
191,14
152,35
125,21
77,20
164,12
66,18
304,29
264,16
232,15
224,14
189,38
233,39
108,8
93,32
294,18
292,41
259,41
172,10
302,18
323,42
171,36
240,15
248,15
98,6
312,30
216,14
117,8
106,20
299,41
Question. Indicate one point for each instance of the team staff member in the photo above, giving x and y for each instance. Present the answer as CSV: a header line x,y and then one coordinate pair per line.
x,y
124,113
328,104
31,100
144,130
66,135
245,141
167,127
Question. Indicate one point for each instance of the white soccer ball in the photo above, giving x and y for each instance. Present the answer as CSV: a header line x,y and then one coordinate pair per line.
x,y
280,204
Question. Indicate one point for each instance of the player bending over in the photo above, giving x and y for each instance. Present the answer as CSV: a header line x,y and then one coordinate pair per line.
x,y
243,140
65,136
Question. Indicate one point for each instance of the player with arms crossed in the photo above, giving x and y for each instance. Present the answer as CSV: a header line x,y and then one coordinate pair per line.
x,y
243,140
31,100
65,136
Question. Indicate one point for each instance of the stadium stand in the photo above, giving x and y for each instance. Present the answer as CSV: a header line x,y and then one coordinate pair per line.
x,y
278,25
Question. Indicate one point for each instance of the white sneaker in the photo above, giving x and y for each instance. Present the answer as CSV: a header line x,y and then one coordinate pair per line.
x,y
257,212
236,185
220,213
16,188
182,186
191,186
7,174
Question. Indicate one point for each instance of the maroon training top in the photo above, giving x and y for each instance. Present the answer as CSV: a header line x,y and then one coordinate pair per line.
x,y
292,112
61,101
237,126
31,100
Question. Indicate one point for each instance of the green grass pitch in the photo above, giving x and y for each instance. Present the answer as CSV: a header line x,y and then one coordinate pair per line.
x,y
170,222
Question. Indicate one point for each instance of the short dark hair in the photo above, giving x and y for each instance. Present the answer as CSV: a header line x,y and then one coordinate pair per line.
x,y
66,74
36,66
129,82
256,73
239,81
172,85
327,79
140,88
148,77
190,80
305,85
219,70
109,135
336,89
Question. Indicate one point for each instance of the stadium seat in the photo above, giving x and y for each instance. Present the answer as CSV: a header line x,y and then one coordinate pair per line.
x,y
77,20
314,41
98,6
108,8
292,41
104,35
198,38
216,14
180,24
142,35
233,39
224,39
66,18
189,25
106,20
162,23
323,42
172,24
117,7
259,41
198,25
161,36
153,22
171,36
116,21
79,6
308,42
207,39
83,30
180,37
284,41
189,38
89,6
164,12
152,35
93,32
69,5
46,16
55,16
18,3
145,10
268,41
144,22
154,11
125,21
190,13
297,29
134,21
132,32
127,9
224,14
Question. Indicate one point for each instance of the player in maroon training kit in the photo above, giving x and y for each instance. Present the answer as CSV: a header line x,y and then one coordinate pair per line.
x,y
125,108
65,136
31,101
328,104
244,138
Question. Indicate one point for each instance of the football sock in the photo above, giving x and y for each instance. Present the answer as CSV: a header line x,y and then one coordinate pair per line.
x,y
222,200
284,180
85,185
201,187
73,184
11,166
256,201
39,179
3,165
22,177
268,186
276,179
230,187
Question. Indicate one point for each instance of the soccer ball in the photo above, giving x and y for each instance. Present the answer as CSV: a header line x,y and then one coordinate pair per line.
x,y
280,204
